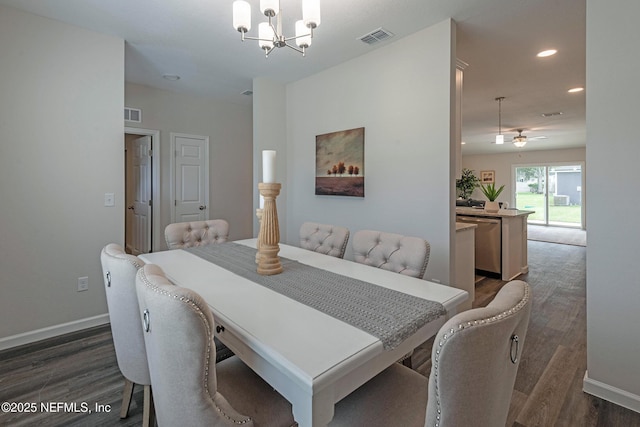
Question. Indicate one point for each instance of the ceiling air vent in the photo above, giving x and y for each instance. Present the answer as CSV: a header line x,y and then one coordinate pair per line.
x,y
132,114
555,113
376,36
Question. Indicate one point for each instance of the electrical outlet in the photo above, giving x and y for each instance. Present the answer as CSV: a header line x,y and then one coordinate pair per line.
x,y
83,284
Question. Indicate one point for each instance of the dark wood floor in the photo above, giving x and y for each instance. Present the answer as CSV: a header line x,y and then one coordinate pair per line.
x,y
82,368
548,388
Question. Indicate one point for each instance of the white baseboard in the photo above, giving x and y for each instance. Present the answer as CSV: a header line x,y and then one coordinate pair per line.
x,y
610,393
52,331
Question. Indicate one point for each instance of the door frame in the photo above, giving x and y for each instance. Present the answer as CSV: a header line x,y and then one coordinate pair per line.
x,y
172,170
157,235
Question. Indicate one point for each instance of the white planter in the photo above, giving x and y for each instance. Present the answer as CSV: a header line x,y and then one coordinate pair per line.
x,y
491,207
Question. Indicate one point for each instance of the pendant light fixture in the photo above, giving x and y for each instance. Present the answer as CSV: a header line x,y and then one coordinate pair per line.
x,y
520,140
270,33
500,136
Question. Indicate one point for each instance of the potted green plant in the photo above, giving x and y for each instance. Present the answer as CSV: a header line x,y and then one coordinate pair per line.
x,y
467,183
491,194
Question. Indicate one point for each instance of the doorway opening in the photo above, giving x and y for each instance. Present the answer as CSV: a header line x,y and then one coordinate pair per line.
x,y
553,191
142,190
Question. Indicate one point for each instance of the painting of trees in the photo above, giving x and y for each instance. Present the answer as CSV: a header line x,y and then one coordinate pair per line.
x,y
340,163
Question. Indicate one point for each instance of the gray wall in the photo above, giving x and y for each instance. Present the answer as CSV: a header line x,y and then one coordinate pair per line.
x,y
270,133
402,95
228,127
61,149
613,150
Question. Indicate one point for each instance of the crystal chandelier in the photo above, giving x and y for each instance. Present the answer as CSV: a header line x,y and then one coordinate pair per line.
x,y
270,36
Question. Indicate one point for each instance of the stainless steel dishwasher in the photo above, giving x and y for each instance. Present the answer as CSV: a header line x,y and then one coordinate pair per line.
x,y
488,248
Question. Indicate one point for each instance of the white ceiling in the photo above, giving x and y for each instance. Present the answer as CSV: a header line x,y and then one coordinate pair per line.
x,y
497,38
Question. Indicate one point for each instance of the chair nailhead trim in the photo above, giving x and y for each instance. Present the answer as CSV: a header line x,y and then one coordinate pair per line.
x,y
193,305
513,310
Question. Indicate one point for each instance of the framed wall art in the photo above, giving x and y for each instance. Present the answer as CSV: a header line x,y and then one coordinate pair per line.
x,y
340,163
487,177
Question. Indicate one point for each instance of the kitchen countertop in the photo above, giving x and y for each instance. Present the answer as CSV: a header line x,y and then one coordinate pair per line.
x,y
500,213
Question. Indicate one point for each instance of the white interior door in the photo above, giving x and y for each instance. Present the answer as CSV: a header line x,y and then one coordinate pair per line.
x,y
191,177
139,207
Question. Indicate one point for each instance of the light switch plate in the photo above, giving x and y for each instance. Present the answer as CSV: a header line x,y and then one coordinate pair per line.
x,y
83,283
109,199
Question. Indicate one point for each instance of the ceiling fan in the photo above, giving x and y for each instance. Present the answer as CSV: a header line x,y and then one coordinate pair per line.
x,y
520,140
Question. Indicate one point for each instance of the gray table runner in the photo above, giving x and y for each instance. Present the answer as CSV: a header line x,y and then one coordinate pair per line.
x,y
387,314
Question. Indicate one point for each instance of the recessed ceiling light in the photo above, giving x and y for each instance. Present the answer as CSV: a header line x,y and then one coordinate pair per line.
x,y
462,142
576,89
546,53
172,77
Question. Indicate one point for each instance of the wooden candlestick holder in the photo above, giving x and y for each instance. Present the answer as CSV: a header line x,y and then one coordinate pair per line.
x,y
259,212
269,236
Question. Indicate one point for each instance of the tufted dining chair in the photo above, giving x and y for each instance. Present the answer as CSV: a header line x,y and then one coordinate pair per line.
x,y
475,359
119,272
323,238
196,233
395,252
190,389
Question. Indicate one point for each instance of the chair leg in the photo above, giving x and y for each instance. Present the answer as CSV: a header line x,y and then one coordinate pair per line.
x,y
126,398
407,362
148,418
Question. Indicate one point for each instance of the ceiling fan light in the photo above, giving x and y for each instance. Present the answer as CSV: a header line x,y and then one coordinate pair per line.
x,y
241,16
520,140
499,139
520,144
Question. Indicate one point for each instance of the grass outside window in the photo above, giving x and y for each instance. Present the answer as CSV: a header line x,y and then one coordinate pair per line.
x,y
535,202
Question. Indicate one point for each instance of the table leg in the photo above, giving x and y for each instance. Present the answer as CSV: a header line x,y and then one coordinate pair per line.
x,y
314,412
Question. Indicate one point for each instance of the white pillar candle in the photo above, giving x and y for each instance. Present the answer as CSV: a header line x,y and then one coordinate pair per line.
x,y
268,166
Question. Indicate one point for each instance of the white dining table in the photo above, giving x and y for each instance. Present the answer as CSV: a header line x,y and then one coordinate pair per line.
x,y
312,359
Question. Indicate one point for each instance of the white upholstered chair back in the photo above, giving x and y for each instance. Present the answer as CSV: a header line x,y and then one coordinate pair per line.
x,y
475,359
178,331
187,234
119,273
323,238
401,254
